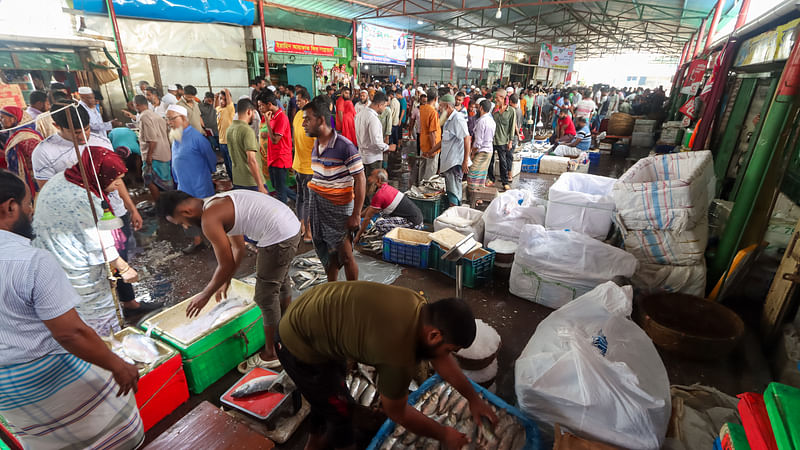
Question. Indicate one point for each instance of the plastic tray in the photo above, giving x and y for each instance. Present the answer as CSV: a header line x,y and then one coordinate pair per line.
x,y
532,441
783,408
398,250
531,165
430,207
477,265
260,405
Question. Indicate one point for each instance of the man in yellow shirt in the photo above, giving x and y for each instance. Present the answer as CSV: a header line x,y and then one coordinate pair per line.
x,y
303,144
225,113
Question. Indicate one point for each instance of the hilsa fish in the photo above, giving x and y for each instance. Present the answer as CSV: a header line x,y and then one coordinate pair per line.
x,y
254,386
140,348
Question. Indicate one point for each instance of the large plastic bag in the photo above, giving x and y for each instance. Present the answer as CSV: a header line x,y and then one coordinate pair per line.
x,y
509,212
581,202
666,192
685,248
463,219
552,267
591,369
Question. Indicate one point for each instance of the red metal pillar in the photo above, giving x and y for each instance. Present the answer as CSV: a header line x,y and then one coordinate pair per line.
x,y
699,38
452,60
502,67
123,61
714,22
683,54
742,18
483,57
413,56
355,54
264,40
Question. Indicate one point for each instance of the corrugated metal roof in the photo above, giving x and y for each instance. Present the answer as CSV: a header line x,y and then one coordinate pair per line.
x,y
591,25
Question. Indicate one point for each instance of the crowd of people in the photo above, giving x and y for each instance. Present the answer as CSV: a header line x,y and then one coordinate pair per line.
x,y
57,298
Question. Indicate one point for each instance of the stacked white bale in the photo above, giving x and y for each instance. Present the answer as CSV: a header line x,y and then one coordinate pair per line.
x,y
662,212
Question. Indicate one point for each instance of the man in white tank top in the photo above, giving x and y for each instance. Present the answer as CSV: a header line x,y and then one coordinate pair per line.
x,y
225,219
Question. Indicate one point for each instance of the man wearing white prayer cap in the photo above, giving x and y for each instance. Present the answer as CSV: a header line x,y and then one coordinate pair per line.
x,y
96,121
169,98
193,162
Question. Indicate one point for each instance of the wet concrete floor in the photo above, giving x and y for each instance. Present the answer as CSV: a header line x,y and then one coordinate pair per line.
x,y
168,275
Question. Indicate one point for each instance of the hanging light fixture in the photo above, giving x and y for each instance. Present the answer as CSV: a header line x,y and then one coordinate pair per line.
x,y
499,14
419,22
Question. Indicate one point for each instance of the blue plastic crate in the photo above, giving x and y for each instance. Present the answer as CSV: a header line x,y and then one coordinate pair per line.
x,y
477,271
594,157
531,165
415,255
532,439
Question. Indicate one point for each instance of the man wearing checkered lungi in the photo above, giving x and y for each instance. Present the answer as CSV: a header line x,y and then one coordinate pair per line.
x,y
395,209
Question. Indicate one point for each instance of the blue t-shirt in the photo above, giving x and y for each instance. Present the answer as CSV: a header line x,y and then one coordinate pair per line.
x,y
193,162
585,135
404,107
125,137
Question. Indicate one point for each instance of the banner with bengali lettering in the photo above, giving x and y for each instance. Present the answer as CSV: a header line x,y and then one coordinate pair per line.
x,y
300,49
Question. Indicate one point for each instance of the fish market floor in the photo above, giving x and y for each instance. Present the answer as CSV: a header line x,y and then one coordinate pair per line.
x,y
170,276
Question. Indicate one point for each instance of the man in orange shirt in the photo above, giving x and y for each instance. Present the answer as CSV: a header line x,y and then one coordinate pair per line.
x,y
430,134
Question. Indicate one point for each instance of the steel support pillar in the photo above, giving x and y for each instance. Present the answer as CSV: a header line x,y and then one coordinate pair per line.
x,y
742,18
264,39
714,22
452,59
502,67
700,34
413,56
355,54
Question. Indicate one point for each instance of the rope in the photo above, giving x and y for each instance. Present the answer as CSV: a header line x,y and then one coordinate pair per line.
x,y
242,334
27,124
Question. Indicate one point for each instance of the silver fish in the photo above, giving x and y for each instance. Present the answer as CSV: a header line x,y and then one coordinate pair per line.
x,y
308,283
283,384
348,380
354,386
388,443
443,399
455,396
409,438
430,407
399,430
486,437
367,372
254,386
461,408
362,387
520,440
368,396
140,348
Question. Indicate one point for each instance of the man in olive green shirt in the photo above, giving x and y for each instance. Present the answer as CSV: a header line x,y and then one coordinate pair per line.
x,y
243,148
389,327
505,119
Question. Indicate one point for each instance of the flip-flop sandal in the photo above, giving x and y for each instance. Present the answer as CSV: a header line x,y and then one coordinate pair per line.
x,y
256,361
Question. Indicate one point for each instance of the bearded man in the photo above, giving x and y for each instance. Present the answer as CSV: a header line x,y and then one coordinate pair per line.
x,y
193,162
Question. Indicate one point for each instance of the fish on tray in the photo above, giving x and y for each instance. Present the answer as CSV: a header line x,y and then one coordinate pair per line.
x,y
140,348
254,386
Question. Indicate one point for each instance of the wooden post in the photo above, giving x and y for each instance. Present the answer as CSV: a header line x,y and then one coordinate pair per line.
x,y
264,39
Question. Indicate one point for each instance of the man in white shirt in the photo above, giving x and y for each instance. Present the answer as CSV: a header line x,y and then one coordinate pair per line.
x,y
369,133
394,104
99,126
159,106
363,101
170,97
38,104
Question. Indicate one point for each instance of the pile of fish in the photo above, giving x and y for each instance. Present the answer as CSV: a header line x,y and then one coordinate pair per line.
x,y
311,273
371,240
445,405
219,314
137,349
363,386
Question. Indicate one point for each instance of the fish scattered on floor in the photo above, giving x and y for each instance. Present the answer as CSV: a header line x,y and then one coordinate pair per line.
x,y
140,348
254,386
447,406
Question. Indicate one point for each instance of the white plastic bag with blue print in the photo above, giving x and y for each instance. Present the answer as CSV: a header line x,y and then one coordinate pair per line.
x,y
592,370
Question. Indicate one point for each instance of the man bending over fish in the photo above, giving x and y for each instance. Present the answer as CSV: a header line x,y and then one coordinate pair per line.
x,y
389,327
226,219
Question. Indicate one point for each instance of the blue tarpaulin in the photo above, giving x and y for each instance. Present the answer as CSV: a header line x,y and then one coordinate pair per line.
x,y
234,12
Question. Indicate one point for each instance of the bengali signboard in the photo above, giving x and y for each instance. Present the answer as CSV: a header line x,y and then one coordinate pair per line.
x,y
382,45
561,58
695,77
300,49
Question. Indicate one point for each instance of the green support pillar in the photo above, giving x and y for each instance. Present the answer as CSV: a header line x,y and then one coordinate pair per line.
x,y
760,164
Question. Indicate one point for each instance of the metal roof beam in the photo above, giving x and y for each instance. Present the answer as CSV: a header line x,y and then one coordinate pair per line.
x,y
449,9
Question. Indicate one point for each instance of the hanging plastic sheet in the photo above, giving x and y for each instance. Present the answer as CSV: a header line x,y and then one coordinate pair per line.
x,y
234,12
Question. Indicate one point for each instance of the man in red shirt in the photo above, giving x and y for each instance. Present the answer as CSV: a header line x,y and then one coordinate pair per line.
x,y
565,130
279,146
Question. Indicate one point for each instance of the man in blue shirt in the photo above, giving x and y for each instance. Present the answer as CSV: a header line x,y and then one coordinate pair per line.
x,y
581,143
193,162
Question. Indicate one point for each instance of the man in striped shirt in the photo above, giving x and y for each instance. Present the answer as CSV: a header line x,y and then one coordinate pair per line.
x,y
336,191
60,385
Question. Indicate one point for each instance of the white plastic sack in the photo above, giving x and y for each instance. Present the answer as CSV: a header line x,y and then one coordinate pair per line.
x,y
509,212
619,395
685,248
553,267
581,202
463,219
666,192
686,279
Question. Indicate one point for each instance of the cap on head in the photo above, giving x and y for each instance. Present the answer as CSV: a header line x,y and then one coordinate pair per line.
x,y
85,90
178,109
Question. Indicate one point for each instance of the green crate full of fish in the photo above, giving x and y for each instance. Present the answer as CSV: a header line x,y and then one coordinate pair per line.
x,y
217,340
441,402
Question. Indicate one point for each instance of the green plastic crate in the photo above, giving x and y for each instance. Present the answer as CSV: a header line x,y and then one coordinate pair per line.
x,y
477,266
783,408
210,357
431,207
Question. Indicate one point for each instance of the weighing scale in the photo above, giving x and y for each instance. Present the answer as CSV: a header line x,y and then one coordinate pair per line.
x,y
456,254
